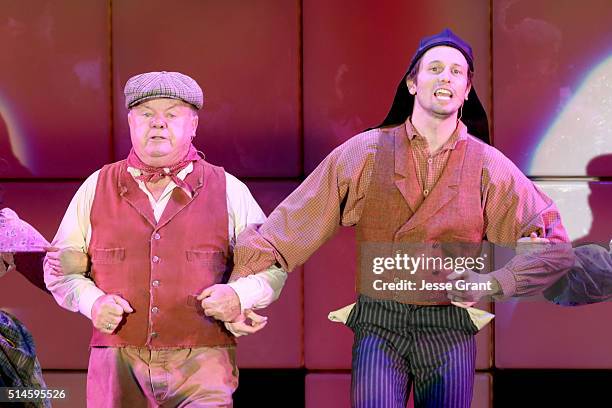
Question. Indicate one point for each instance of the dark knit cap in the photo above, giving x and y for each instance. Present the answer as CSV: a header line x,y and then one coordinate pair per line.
x,y
473,115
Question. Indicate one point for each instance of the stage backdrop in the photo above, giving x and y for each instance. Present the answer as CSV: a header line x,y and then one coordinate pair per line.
x,y
286,81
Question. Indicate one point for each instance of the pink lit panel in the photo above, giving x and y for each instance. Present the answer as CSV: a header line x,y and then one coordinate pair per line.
x,y
280,343
54,88
61,337
74,383
245,59
269,194
543,335
41,204
63,344
539,334
355,55
329,284
552,66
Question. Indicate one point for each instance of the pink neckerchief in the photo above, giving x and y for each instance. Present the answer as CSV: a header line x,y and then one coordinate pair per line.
x,y
154,174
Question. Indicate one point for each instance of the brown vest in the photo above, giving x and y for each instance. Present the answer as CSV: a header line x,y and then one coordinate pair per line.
x,y
160,267
397,217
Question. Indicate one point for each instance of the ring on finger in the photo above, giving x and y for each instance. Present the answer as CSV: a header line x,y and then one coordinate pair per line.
x,y
109,326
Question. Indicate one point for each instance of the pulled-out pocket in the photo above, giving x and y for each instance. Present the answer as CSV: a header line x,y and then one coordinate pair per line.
x,y
345,315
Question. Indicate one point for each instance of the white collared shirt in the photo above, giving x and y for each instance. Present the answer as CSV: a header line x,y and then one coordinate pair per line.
x,y
78,293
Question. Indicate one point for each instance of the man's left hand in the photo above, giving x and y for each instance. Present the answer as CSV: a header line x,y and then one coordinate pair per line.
x,y
477,286
67,262
247,323
221,302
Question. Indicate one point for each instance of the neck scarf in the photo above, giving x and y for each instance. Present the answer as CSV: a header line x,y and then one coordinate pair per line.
x,y
150,174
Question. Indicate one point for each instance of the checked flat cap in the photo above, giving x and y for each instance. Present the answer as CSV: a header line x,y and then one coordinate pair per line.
x,y
151,85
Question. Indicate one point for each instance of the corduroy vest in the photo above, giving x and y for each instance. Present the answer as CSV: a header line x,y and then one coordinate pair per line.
x,y
397,216
160,267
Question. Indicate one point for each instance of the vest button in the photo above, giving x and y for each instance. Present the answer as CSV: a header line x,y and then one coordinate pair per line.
x,y
156,236
155,283
155,309
153,335
155,259
425,193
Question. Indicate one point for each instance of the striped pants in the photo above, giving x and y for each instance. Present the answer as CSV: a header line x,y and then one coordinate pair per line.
x,y
397,345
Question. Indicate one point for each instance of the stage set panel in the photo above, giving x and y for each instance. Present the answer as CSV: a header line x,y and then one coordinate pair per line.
x,y
246,59
54,88
325,390
40,204
61,337
355,55
536,333
280,343
329,284
73,382
552,64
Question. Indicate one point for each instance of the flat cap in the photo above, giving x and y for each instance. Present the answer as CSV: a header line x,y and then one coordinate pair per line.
x,y
151,85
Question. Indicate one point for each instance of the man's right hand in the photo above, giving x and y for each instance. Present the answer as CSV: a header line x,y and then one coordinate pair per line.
x,y
107,312
7,262
531,244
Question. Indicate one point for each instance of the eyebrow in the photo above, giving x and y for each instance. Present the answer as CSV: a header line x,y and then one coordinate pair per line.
x,y
440,62
178,103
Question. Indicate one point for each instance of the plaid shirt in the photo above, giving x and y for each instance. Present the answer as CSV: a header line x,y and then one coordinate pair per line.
x,y
18,362
334,194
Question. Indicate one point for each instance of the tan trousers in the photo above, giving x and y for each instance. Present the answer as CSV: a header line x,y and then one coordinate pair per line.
x,y
138,377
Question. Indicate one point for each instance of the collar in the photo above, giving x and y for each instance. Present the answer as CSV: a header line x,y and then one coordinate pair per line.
x,y
134,172
459,134
181,174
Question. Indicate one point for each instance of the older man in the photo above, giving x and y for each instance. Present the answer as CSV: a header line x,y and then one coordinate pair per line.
x,y
419,177
159,228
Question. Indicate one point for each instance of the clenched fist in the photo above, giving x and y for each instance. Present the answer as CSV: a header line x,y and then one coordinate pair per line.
x,y
107,312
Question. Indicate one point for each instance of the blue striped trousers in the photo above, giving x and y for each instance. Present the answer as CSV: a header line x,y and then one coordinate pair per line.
x,y
399,345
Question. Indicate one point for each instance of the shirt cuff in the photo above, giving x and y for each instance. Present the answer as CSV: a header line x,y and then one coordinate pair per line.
x,y
248,289
507,282
260,290
88,298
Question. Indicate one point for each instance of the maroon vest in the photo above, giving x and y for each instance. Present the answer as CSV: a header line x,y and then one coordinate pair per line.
x,y
160,267
397,217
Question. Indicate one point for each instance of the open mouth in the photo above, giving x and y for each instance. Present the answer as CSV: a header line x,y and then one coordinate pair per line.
x,y
443,94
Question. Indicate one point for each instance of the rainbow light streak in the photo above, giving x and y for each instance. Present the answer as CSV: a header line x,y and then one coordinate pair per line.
x,y
15,133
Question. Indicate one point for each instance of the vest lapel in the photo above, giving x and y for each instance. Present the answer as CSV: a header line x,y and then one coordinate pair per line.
x,y
130,192
444,190
407,184
180,199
